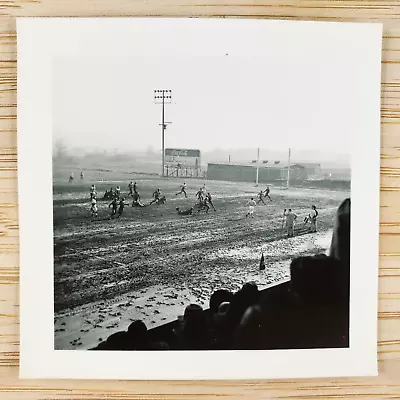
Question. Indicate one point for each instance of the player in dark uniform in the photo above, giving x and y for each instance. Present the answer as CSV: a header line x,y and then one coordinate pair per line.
x,y
260,197
200,195
209,201
185,212
114,205
135,188
136,200
183,190
121,206
130,187
156,196
266,193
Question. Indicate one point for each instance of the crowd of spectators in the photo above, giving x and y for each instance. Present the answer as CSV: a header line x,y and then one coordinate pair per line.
x,y
309,311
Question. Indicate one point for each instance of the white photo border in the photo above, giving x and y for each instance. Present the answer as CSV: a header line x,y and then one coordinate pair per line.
x,y
40,41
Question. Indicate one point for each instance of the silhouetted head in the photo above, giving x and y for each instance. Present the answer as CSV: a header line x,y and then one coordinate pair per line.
x,y
340,246
319,279
137,330
118,341
247,296
251,317
218,297
194,320
195,328
290,210
224,307
248,331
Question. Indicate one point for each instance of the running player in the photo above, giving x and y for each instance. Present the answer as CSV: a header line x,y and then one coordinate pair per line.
x,y
202,205
93,208
81,174
183,190
266,193
209,201
156,196
121,206
117,192
135,188
260,197
130,187
290,218
114,205
71,177
92,192
250,211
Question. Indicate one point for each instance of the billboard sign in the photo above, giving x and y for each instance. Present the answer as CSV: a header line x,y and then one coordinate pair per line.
x,y
183,158
182,153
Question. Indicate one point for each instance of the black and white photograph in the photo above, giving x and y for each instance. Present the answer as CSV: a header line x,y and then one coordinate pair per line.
x,y
202,200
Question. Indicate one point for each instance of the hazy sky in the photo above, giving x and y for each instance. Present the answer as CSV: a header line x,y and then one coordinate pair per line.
x,y
219,101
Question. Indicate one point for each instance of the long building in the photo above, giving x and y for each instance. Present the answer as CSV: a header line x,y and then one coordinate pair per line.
x,y
248,172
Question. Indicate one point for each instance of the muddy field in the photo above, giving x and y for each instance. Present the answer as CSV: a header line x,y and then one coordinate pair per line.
x,y
151,262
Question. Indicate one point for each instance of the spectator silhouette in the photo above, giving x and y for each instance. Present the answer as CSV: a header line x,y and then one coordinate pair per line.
x,y
248,333
194,333
221,328
118,341
218,297
138,334
244,298
340,245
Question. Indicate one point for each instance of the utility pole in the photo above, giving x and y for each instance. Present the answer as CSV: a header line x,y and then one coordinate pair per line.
x,y
258,165
163,97
288,171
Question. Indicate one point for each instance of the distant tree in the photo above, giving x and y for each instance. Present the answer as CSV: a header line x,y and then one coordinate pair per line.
x,y
60,151
150,151
62,154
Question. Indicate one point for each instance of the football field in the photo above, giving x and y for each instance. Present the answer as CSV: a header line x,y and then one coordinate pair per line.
x,y
150,263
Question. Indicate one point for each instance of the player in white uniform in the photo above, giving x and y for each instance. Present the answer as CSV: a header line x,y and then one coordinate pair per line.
x,y
93,192
93,208
312,217
71,177
183,190
250,211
